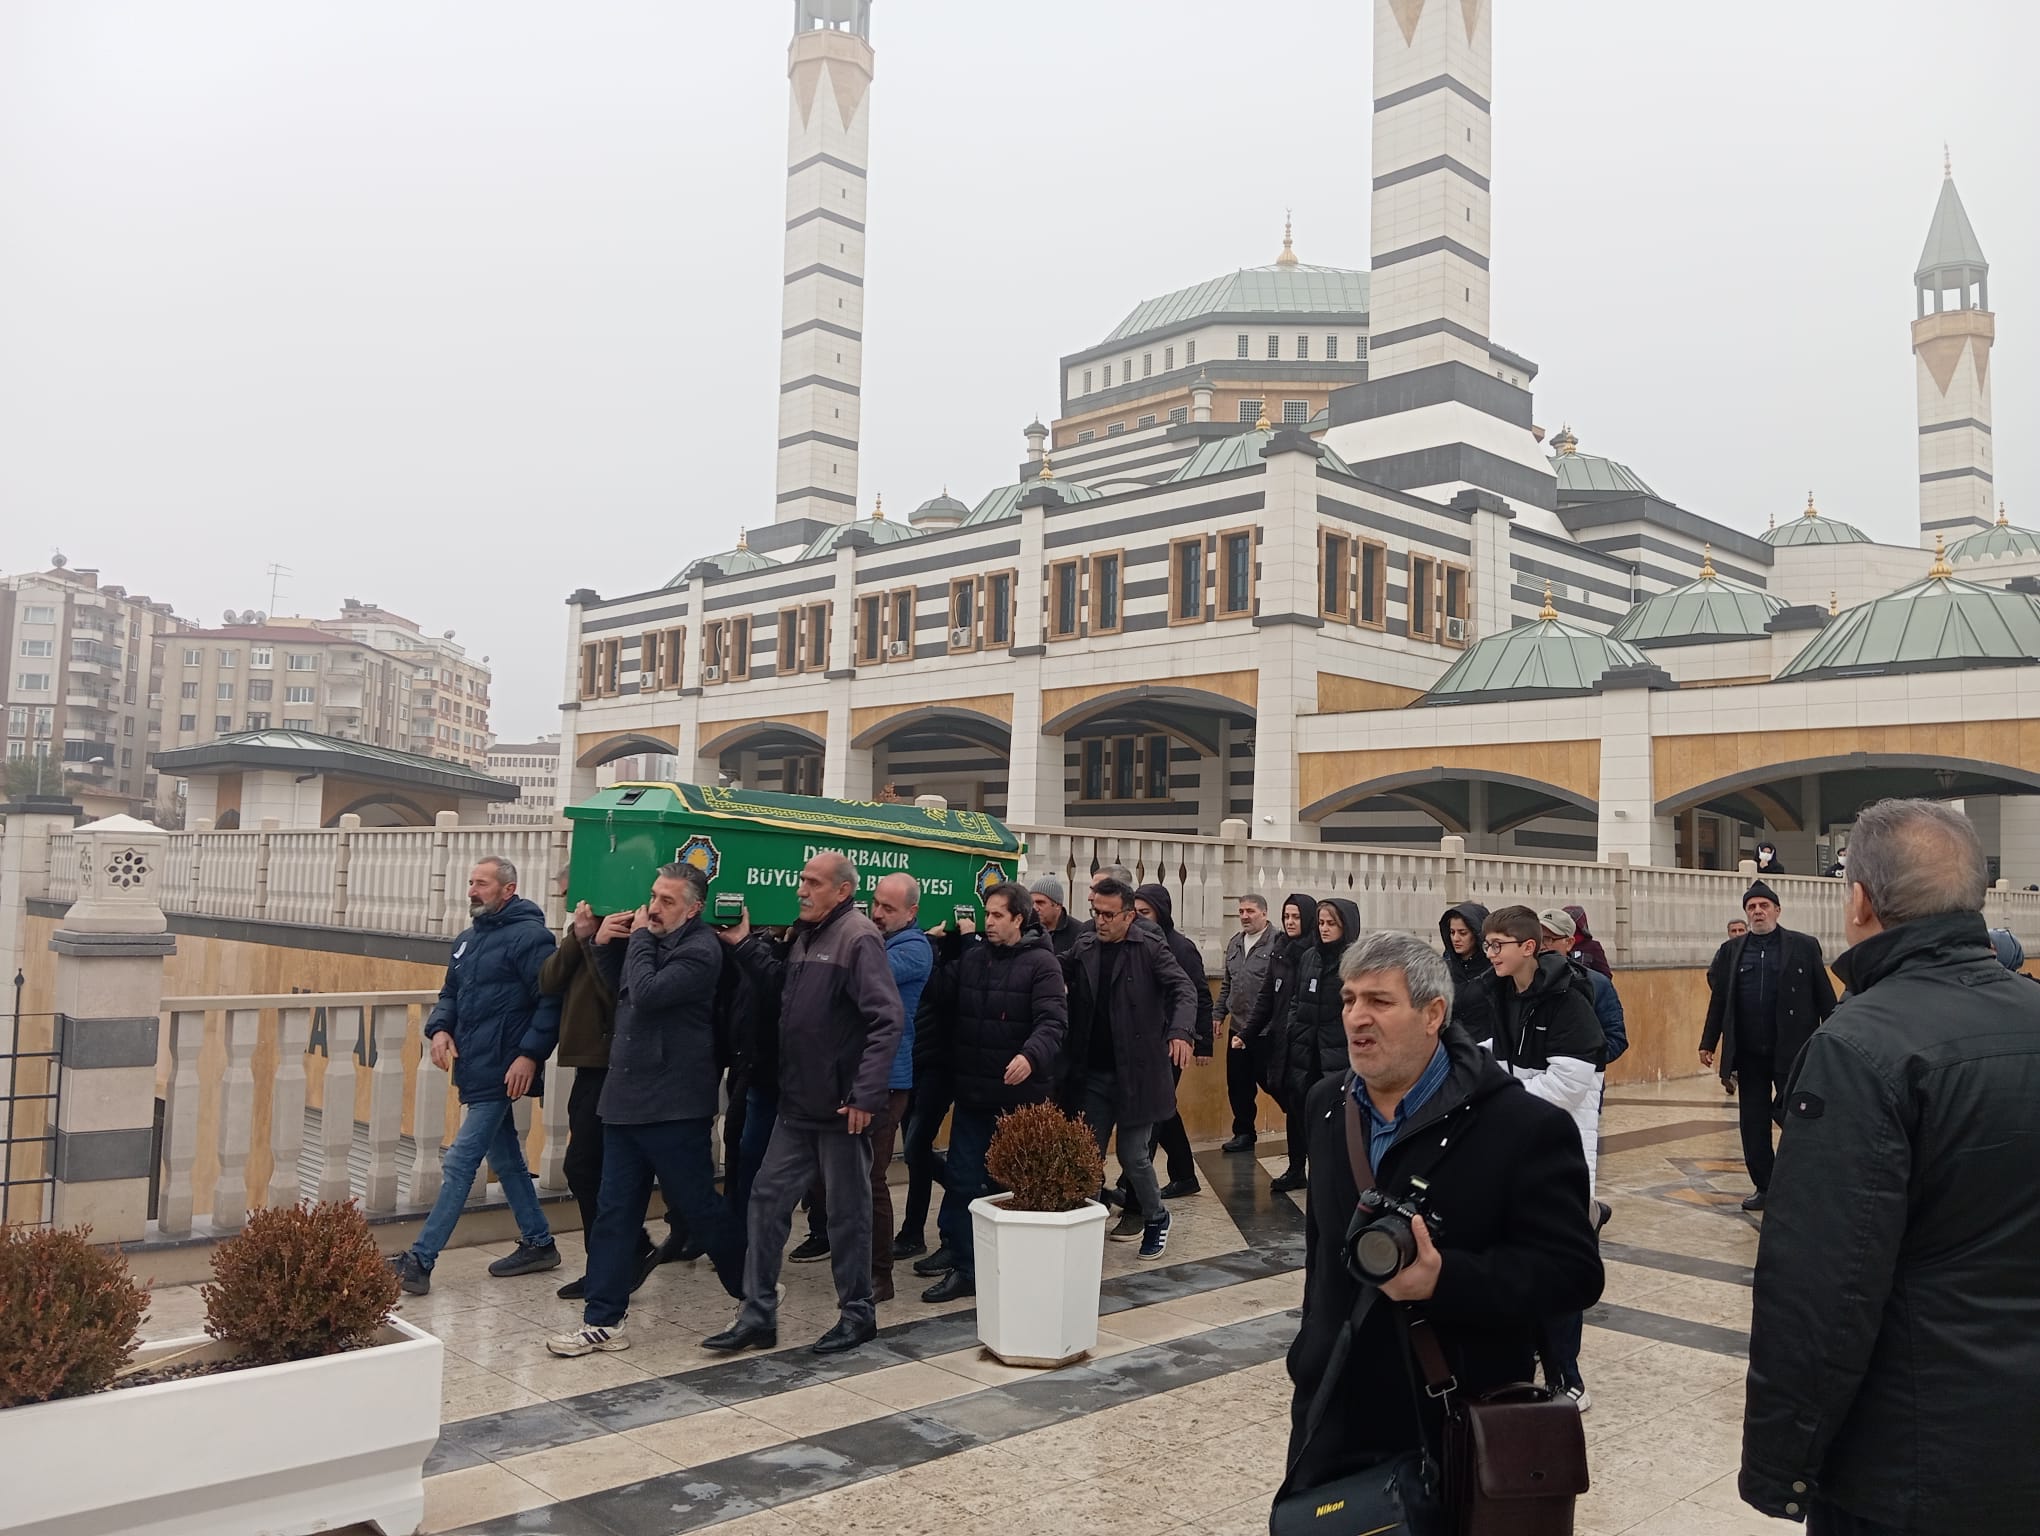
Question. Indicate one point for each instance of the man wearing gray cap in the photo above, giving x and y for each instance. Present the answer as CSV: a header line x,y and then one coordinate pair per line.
x,y
1052,908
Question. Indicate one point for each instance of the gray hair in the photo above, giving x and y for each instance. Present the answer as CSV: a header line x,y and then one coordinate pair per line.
x,y
692,881
1424,971
836,867
1916,858
1117,872
506,872
1256,899
911,896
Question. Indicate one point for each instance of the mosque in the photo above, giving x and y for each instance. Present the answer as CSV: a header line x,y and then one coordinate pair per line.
x,y
1294,550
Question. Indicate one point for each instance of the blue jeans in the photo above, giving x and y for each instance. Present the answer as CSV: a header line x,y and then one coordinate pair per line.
x,y
486,1130
970,1137
676,1151
761,1109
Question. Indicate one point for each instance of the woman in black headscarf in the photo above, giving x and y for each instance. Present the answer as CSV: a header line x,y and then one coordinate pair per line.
x,y
1317,1025
1270,1021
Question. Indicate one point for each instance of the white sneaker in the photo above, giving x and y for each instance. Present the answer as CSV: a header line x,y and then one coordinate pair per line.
x,y
586,1341
1582,1399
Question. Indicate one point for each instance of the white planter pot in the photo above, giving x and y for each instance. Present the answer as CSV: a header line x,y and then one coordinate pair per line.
x,y
277,1450
1037,1280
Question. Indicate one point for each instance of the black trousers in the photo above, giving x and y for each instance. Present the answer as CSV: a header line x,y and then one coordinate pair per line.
x,y
926,1110
582,1165
1824,1519
1760,1096
1243,1068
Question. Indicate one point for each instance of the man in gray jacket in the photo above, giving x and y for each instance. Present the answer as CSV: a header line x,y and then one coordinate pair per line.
x,y
1246,969
658,1102
840,1023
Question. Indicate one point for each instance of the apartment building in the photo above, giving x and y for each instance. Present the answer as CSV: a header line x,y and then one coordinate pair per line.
x,y
254,677
449,689
534,767
83,683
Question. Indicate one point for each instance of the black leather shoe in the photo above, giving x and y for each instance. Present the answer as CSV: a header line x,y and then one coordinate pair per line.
x,y
940,1262
949,1287
1241,1143
742,1336
647,1262
1755,1202
1181,1189
573,1290
1284,1183
845,1336
809,1250
905,1247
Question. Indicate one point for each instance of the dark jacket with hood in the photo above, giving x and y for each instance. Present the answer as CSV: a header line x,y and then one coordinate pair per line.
x,y
1586,948
491,1002
1473,1006
1188,955
1270,1015
992,1003
1805,997
840,1021
587,1001
662,1061
1895,1338
1152,1003
1510,1192
1317,1026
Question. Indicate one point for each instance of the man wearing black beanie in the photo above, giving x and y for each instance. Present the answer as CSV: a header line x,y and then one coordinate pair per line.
x,y
1769,990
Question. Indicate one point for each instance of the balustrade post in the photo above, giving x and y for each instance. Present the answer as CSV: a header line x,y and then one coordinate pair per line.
x,y
236,1120
389,1022
175,1202
1624,943
343,857
552,1162
1454,850
442,837
270,825
336,1113
428,1130
287,1105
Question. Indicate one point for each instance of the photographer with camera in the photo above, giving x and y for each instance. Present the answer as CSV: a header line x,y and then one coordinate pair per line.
x,y
1474,1229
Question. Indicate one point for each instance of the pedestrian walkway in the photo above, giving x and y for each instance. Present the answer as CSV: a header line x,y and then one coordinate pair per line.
x,y
1177,1424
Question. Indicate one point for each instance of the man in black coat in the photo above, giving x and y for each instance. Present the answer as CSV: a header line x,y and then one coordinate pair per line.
x,y
1894,1380
1154,903
658,1101
1132,1019
1769,991
1507,1184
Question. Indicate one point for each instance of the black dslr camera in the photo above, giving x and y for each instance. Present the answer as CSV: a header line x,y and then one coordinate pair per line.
x,y
1380,1243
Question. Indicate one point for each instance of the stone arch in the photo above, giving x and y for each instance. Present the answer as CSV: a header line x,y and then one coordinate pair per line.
x,y
607,749
754,732
1165,705
1755,781
987,730
385,808
1408,787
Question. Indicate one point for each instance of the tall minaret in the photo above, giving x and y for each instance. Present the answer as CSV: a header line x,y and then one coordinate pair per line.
x,y
1441,411
1951,341
821,349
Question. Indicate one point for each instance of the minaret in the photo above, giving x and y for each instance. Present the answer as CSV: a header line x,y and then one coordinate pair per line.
x,y
1436,416
1951,341
821,348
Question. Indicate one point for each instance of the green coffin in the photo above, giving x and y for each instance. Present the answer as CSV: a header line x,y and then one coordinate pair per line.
x,y
752,845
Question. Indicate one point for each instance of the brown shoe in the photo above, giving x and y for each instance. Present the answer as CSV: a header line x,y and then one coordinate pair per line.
x,y
881,1291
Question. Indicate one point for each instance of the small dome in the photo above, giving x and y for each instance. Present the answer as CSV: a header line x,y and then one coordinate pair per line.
x,y
877,527
1936,625
1005,501
1708,609
2002,542
1542,660
1812,528
731,561
939,509
1589,473
1220,455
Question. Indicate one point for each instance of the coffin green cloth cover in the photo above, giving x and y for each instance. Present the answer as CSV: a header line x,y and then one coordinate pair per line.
x,y
753,844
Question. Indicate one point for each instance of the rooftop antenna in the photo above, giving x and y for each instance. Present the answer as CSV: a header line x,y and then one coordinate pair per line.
x,y
275,573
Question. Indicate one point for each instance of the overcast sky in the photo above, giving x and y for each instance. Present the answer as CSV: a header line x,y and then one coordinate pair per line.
x,y
457,305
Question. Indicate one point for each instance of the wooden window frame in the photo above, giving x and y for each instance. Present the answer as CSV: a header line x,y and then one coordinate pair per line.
x,y
1149,767
738,668
1446,569
1084,756
957,585
715,639
1421,583
871,629
1224,536
1011,615
788,653
608,670
650,643
1343,614
1374,594
1128,761
1095,561
1203,544
1075,570
591,663
817,621
893,599
673,657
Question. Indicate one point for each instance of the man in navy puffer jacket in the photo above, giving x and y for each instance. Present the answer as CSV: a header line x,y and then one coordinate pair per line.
x,y
495,1029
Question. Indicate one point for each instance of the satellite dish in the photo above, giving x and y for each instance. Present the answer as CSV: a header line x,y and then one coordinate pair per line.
x,y
227,617
261,617
57,561
448,635
485,661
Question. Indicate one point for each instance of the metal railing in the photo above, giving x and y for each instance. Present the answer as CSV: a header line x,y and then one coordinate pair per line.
x,y
31,1086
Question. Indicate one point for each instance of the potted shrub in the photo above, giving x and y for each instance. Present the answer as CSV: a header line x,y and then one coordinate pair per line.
x,y
1040,1248
305,1406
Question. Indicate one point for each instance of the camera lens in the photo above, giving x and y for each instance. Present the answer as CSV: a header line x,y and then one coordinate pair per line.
x,y
1383,1248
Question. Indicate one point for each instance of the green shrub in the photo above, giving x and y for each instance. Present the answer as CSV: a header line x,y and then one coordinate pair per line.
x,y
299,1281
1048,1159
68,1314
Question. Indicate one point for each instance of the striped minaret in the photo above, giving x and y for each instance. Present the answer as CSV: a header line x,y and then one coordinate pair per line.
x,y
1951,336
821,349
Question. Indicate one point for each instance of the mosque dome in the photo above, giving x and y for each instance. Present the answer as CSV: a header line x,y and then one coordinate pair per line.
x,y
1546,659
732,562
1003,503
1708,609
1936,625
1223,454
874,527
1590,474
2002,542
943,511
1812,528
1287,286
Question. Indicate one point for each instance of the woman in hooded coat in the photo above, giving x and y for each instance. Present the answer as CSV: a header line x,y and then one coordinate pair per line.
x,y
1270,1020
1473,1007
1317,1025
1586,948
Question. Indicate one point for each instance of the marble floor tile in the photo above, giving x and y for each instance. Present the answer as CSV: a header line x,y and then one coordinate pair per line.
x,y
587,1466
704,1437
467,1497
913,1385
813,1410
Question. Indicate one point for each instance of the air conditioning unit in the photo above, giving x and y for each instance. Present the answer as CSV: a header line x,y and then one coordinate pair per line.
x,y
960,636
1455,629
899,648
711,673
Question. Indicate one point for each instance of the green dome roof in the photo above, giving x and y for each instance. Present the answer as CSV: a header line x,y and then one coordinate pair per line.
x,y
2003,542
1935,625
1545,659
1286,288
1222,454
1703,610
1589,472
939,508
1005,501
1811,528
733,562
881,530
